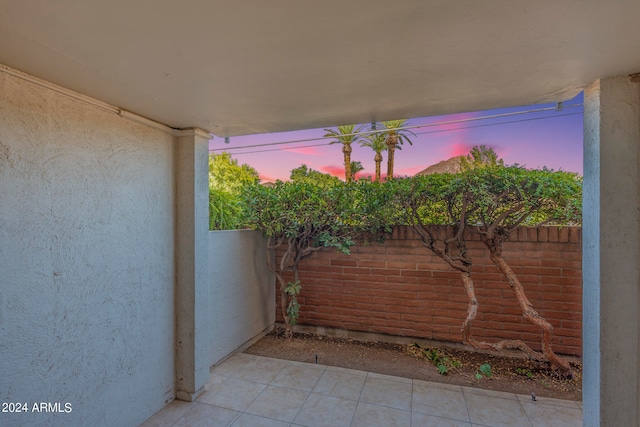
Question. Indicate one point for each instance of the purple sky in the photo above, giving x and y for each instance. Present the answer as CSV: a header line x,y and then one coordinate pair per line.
x,y
554,142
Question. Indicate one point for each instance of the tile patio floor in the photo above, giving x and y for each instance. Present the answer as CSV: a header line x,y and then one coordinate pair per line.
x,y
255,391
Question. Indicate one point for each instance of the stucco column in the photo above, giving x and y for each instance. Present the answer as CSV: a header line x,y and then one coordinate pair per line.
x,y
192,229
611,253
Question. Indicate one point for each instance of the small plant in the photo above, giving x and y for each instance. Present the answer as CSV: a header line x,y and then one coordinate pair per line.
x,y
484,371
293,309
440,359
525,373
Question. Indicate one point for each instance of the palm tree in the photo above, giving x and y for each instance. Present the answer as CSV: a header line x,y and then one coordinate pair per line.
x,y
376,141
395,135
355,168
345,135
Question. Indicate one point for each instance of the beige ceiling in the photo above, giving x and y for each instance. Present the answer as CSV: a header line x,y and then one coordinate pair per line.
x,y
237,67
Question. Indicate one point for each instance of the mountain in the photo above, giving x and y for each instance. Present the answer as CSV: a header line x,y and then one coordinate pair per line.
x,y
451,165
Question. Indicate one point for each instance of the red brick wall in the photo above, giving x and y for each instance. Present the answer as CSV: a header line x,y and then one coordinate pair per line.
x,y
401,288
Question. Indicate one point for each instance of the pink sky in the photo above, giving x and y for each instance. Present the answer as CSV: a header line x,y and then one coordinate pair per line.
x,y
554,142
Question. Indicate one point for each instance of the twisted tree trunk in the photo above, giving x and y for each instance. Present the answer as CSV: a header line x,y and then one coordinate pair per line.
x,y
462,263
472,311
273,245
472,307
528,312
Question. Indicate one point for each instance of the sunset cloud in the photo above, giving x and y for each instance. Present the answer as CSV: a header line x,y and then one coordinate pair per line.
x,y
333,170
307,151
266,178
458,149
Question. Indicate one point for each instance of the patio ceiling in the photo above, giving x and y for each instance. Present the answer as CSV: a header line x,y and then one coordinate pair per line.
x,y
241,67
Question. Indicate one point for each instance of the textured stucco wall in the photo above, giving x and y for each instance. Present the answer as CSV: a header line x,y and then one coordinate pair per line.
x,y
611,248
242,290
86,260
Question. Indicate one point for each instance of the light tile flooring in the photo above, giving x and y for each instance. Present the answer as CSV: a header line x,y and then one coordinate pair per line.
x,y
254,391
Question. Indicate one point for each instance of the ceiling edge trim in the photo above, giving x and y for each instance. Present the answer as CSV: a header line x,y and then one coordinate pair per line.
x,y
127,115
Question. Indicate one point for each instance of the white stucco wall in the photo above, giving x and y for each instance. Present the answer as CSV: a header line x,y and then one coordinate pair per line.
x,y
242,293
86,260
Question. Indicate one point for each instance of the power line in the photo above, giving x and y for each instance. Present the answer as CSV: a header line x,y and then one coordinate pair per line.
x,y
501,123
417,133
470,119
322,144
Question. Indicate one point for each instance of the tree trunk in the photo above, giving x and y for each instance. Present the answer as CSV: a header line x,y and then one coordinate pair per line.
x,y
346,149
472,311
283,295
391,148
378,160
288,332
472,307
463,265
528,312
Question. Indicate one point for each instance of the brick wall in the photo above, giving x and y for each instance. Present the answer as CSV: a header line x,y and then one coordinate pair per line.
x,y
401,288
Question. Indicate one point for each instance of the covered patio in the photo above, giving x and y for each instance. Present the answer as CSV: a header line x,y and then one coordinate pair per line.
x,y
115,297
248,390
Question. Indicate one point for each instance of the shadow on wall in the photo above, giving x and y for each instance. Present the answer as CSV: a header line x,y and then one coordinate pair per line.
x,y
242,291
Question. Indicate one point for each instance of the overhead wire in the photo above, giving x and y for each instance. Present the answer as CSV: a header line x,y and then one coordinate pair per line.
x,y
469,119
417,133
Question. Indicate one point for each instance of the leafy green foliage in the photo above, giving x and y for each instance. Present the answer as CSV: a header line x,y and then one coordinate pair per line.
x,y
426,199
225,210
315,211
499,199
395,136
443,361
304,174
225,174
480,157
395,131
376,141
356,166
301,218
293,309
525,372
313,216
226,180
508,196
345,135
484,371
373,211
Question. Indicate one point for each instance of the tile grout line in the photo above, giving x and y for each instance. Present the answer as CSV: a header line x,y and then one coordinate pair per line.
x,y
526,414
311,391
290,363
466,405
413,386
240,413
258,395
353,417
